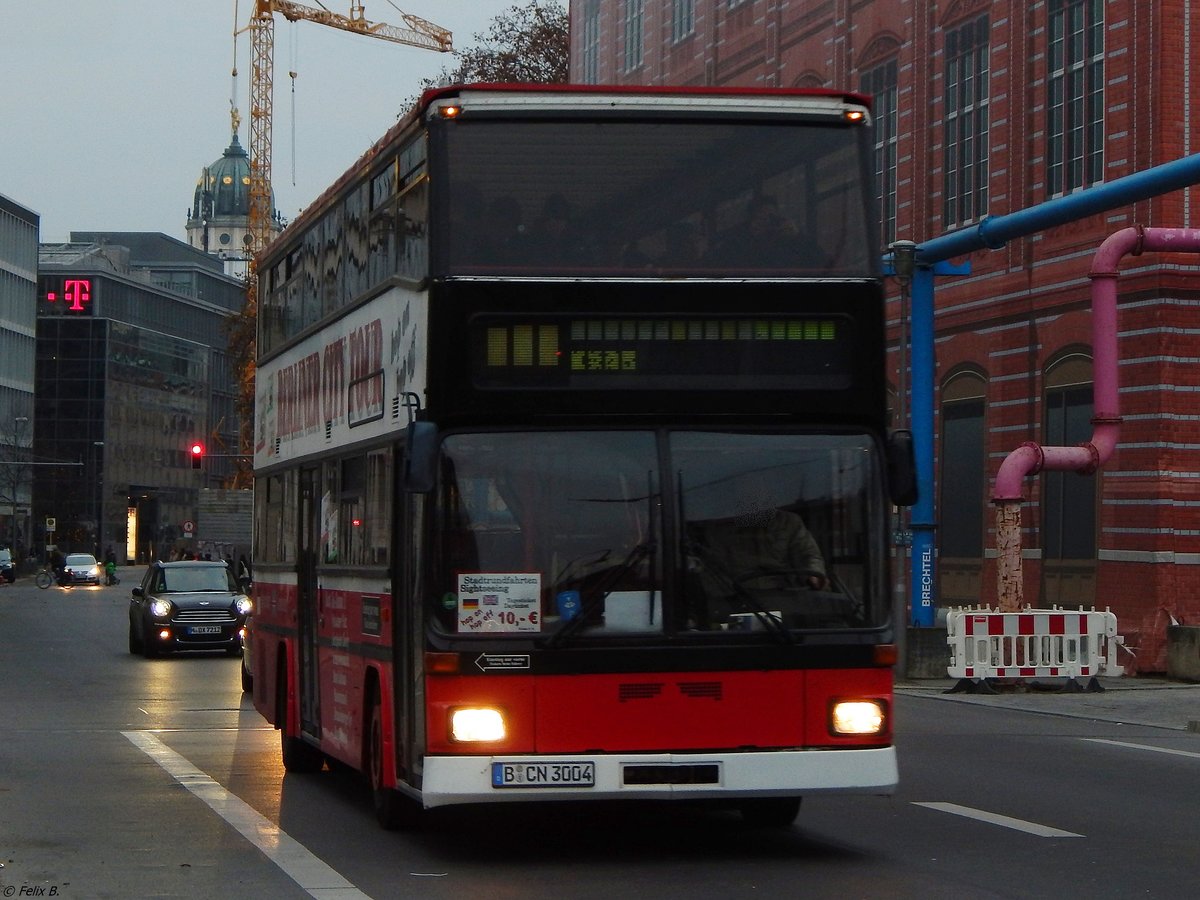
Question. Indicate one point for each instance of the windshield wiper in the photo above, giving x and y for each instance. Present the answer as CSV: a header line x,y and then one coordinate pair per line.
x,y
594,594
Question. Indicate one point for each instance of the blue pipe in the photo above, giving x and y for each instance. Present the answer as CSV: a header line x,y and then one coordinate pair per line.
x,y
995,231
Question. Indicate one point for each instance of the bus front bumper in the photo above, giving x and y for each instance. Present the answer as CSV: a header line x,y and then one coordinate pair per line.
x,y
450,780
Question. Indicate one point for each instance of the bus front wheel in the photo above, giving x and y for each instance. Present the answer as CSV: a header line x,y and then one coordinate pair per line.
x,y
393,810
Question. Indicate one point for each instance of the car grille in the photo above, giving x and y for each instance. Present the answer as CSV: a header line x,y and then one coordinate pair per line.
x,y
221,616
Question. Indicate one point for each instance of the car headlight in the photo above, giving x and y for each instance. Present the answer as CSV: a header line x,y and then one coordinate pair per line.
x,y
160,608
243,605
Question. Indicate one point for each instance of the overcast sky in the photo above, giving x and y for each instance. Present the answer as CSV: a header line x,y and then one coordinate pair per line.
x,y
110,110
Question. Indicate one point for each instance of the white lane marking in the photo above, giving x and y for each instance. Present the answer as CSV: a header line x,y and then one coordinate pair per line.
x,y
996,819
313,875
1190,753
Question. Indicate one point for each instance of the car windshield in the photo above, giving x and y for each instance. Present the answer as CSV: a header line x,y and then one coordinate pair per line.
x,y
206,578
81,559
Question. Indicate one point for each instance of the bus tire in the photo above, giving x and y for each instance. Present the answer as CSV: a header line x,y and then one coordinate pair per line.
x,y
299,756
393,810
770,812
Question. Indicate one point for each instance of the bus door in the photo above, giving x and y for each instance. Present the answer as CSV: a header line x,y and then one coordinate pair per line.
x,y
407,631
307,549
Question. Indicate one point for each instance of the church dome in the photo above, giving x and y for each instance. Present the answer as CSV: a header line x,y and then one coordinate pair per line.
x,y
224,187
218,220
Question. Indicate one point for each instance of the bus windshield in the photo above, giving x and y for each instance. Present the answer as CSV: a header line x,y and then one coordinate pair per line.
x,y
635,198
586,535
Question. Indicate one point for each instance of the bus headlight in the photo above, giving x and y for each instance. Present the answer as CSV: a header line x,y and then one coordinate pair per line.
x,y
477,724
857,717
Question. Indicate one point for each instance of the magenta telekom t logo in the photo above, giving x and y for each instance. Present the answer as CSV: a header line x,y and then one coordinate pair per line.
x,y
76,292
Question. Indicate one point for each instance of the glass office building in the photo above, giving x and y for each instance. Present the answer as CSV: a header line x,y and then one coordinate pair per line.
x,y
132,369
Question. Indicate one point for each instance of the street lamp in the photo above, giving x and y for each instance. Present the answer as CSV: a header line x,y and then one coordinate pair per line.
x,y
96,445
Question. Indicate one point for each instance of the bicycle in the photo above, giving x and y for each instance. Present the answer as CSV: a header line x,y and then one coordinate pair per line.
x,y
46,577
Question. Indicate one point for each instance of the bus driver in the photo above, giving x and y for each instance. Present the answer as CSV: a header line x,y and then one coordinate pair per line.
x,y
760,547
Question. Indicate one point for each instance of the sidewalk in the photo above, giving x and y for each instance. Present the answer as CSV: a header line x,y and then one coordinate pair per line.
x,y
1134,700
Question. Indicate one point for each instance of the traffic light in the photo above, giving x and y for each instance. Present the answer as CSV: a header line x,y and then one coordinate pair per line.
x,y
197,450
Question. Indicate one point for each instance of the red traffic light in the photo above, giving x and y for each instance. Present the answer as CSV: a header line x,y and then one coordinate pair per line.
x,y
197,450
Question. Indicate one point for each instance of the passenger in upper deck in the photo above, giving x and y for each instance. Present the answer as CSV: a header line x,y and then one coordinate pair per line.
x,y
683,243
500,235
556,237
765,239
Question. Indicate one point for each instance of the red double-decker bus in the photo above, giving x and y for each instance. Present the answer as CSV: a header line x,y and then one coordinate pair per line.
x,y
572,469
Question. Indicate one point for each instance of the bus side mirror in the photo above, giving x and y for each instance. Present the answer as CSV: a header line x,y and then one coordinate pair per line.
x,y
902,468
420,460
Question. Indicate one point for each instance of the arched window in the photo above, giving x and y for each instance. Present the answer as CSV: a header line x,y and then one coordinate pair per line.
x,y
1068,499
962,465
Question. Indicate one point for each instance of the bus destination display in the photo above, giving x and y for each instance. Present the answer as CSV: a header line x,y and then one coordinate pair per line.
x,y
555,352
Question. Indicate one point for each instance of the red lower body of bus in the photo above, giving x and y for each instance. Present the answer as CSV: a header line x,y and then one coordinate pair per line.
x,y
708,735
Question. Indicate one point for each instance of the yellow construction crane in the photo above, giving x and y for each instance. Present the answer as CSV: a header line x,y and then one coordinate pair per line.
x,y
416,33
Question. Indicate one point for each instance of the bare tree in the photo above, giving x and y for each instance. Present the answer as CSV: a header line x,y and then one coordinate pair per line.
x,y
16,438
526,44
243,350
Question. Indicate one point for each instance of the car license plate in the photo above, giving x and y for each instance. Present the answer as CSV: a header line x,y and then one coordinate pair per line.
x,y
204,629
543,774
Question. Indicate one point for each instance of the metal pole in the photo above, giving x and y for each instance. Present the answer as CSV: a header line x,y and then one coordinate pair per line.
x,y
921,516
96,448
903,257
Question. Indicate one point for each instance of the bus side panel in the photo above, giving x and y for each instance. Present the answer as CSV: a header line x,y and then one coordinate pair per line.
x,y
826,686
353,638
623,712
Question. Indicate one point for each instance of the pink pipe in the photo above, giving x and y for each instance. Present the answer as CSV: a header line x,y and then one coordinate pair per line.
x,y
1031,458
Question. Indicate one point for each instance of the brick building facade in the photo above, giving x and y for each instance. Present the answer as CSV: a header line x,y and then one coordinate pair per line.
x,y
986,108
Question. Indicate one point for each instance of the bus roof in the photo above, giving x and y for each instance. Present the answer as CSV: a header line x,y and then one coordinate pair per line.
x,y
454,90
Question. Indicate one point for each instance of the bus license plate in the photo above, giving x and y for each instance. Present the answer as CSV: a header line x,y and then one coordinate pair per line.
x,y
543,774
204,629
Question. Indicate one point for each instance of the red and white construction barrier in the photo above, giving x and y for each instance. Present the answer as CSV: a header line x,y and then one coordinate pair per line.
x,y
1032,643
